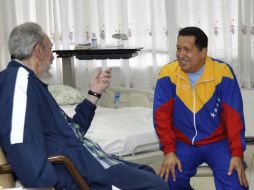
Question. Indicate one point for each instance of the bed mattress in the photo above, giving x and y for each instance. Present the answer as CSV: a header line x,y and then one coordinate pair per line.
x,y
123,131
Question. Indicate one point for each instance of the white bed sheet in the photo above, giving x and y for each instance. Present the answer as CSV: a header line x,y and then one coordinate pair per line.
x,y
121,131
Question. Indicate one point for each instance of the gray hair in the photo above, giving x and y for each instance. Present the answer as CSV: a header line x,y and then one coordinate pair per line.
x,y
23,38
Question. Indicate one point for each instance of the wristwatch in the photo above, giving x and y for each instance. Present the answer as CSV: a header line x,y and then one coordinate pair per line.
x,y
90,92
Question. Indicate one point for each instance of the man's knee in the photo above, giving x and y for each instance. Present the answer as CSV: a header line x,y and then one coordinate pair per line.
x,y
162,185
226,182
179,184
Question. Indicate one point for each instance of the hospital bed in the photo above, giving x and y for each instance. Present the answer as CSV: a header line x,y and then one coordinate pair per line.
x,y
122,124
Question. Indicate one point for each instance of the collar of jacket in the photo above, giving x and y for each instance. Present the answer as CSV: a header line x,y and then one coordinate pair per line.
x,y
207,75
18,63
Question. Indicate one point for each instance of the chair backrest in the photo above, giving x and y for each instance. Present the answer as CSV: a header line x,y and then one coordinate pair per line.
x,y
6,180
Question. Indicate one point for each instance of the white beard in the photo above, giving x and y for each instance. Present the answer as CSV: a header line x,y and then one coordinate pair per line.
x,y
46,76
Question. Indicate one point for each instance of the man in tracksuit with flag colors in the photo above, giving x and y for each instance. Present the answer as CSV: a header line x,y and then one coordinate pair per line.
x,y
198,116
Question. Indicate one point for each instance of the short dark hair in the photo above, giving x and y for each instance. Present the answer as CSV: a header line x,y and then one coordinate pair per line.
x,y
201,39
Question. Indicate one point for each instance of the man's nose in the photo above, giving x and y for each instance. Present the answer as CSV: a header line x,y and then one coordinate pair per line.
x,y
181,54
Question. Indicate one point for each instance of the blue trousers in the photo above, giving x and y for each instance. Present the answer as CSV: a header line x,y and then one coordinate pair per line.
x,y
216,155
130,176
127,176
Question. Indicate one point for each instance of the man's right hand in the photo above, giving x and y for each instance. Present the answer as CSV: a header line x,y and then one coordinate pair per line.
x,y
168,166
99,82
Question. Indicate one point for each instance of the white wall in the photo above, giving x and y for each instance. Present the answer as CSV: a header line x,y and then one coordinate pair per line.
x,y
248,106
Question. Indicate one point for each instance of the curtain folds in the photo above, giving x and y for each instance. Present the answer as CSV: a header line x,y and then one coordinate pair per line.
x,y
151,24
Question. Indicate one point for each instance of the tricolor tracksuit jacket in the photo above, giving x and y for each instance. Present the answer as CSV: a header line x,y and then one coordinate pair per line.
x,y
208,113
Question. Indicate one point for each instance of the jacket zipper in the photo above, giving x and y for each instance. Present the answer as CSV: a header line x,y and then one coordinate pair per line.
x,y
194,107
194,116
194,110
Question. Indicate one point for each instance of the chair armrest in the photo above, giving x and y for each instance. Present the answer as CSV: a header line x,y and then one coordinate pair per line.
x,y
57,159
5,169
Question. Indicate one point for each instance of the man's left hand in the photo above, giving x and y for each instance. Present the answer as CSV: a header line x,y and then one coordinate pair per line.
x,y
237,164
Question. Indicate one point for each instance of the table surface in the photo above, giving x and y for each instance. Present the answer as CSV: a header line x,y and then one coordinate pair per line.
x,y
107,51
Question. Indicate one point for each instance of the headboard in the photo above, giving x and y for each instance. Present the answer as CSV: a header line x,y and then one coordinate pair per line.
x,y
114,97
117,97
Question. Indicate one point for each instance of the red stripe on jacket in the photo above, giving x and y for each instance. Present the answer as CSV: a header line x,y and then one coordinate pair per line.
x,y
234,127
163,121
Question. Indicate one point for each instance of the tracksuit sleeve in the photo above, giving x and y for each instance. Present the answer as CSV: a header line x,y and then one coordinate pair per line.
x,y
163,113
233,114
21,134
85,112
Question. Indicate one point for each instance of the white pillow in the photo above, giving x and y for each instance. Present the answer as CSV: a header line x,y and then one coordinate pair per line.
x,y
65,95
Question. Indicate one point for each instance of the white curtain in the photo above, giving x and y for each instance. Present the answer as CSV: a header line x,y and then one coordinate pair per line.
x,y
151,24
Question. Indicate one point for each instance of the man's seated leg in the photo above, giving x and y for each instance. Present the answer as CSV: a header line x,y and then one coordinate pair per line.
x,y
124,176
218,158
139,166
190,158
65,180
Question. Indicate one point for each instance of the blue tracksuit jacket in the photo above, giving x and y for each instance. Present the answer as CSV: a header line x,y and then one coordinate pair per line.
x,y
32,128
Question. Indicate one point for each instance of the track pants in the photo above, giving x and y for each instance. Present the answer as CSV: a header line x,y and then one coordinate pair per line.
x,y
216,155
130,176
126,176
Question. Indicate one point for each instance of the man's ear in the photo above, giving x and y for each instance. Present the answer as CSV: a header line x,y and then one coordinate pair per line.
x,y
204,52
37,51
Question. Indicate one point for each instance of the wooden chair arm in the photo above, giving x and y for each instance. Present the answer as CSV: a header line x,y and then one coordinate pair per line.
x,y
57,159
5,169
60,159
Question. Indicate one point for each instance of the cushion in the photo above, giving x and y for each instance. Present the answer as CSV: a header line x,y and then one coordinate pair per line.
x,y
65,95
